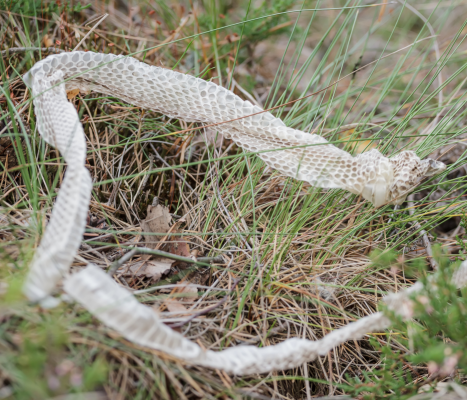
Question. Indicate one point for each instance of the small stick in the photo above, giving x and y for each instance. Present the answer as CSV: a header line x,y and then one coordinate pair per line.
x,y
117,264
426,241
87,34
171,286
207,309
203,261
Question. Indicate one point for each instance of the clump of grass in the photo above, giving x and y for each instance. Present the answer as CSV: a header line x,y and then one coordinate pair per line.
x,y
302,252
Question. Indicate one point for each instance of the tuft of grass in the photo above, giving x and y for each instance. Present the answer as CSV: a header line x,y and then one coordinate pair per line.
x,y
302,252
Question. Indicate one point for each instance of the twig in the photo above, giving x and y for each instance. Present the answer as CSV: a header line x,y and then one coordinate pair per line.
x,y
172,286
93,251
117,264
426,241
204,261
16,50
207,309
92,29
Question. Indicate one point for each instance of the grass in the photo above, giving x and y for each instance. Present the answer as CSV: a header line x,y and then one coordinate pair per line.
x,y
302,253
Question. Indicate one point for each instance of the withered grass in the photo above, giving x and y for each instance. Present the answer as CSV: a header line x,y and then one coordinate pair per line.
x,y
302,254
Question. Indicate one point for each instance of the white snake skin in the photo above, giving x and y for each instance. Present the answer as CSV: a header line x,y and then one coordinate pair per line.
x,y
117,308
301,155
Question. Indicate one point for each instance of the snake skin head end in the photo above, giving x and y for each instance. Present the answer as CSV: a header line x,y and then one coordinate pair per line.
x,y
409,170
433,167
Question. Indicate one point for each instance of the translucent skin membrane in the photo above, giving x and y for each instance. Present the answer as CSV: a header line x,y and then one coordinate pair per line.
x,y
297,154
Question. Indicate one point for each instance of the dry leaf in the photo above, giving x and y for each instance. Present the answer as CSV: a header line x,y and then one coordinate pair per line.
x,y
174,306
157,221
71,94
179,247
188,289
153,269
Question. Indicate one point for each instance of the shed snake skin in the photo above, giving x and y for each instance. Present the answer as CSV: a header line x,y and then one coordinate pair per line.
x,y
294,153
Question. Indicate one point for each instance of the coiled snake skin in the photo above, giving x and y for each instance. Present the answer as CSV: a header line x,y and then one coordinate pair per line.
x,y
295,153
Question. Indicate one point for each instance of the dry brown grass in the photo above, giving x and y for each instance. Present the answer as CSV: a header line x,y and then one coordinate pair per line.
x,y
301,254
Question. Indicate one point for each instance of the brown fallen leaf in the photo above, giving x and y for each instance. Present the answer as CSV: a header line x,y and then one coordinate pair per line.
x,y
179,247
71,94
157,221
174,306
188,289
153,269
